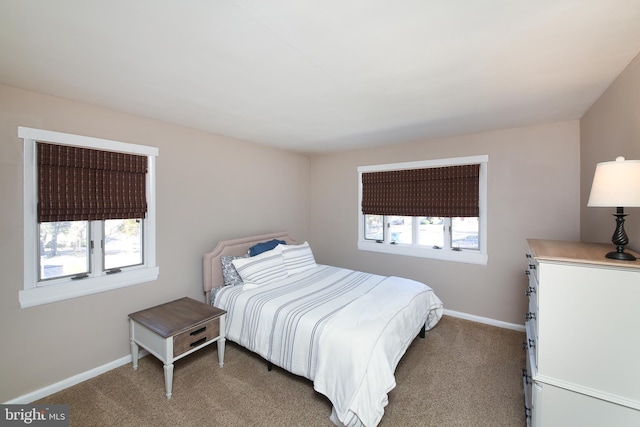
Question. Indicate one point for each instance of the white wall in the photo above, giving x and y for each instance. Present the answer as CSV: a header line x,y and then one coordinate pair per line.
x,y
209,188
611,128
533,192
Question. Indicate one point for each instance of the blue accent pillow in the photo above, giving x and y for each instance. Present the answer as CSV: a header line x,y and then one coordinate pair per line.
x,y
265,246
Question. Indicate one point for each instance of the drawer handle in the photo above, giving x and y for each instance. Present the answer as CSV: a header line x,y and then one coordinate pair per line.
x,y
528,255
527,272
530,291
530,316
527,412
532,266
530,344
527,377
197,343
199,331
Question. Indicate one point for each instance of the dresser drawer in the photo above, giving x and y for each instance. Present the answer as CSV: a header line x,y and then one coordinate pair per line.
x,y
532,286
532,267
531,346
531,319
527,382
532,294
196,336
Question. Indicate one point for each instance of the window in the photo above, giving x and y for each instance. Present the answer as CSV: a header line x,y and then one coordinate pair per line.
x,y
89,215
431,209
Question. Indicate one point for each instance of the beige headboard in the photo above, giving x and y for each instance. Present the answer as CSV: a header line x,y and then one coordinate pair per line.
x,y
212,267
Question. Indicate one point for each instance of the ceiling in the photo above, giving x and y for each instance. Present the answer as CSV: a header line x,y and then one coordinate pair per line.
x,y
324,75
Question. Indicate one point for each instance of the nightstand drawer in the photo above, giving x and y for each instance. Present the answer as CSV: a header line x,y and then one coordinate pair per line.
x,y
196,336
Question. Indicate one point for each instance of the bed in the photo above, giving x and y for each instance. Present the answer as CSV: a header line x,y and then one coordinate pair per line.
x,y
342,329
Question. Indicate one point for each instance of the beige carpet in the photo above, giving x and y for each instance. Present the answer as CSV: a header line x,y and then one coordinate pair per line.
x,y
462,374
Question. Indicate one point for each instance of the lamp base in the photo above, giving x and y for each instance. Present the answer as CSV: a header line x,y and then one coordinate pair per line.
x,y
621,256
620,238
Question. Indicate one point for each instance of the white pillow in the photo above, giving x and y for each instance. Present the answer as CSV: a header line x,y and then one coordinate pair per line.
x,y
261,269
297,258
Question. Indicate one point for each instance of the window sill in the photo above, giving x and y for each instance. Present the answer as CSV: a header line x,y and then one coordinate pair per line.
x,y
69,289
463,256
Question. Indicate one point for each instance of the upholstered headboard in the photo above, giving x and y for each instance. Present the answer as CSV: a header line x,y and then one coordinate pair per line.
x,y
212,267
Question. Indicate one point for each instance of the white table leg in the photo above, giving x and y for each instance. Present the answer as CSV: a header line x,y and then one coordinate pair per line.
x,y
135,351
168,378
221,340
221,351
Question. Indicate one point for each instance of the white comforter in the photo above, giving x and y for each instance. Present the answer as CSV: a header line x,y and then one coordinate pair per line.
x,y
345,330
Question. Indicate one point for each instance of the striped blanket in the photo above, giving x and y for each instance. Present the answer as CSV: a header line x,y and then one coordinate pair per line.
x,y
345,330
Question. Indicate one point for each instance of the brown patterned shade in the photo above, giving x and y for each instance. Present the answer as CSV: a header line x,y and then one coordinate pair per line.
x,y
451,191
83,184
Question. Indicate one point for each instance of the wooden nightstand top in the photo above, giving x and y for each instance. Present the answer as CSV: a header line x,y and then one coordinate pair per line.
x,y
176,316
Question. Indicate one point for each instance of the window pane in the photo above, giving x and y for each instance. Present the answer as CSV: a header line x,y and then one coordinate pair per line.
x,y
400,229
464,233
374,227
431,231
64,249
122,243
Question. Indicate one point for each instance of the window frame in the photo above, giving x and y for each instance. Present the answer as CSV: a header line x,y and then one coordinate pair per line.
x,y
35,292
479,256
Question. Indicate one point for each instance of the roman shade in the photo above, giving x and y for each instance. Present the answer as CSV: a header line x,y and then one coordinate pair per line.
x,y
83,184
451,191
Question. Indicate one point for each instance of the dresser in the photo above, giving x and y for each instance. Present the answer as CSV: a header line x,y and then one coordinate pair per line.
x,y
582,336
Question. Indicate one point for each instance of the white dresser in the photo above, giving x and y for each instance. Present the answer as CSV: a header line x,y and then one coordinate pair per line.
x,y
583,336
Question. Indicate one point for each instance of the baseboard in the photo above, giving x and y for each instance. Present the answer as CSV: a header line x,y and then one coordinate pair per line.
x,y
485,320
71,381
83,376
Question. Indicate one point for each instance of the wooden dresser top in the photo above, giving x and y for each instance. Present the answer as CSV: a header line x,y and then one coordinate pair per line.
x,y
176,316
579,252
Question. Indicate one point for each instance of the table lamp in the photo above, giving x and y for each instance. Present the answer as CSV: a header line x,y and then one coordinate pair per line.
x,y
617,184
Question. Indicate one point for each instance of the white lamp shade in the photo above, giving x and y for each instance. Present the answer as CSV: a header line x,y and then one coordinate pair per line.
x,y
616,184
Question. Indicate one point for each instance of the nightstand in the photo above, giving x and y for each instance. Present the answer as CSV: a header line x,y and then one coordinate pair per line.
x,y
174,330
